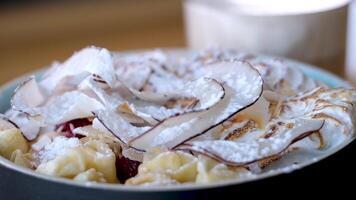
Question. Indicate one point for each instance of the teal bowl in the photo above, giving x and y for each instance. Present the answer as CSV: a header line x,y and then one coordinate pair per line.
x,y
20,183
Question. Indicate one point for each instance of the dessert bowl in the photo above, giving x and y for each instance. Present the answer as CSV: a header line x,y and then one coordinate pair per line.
x,y
43,186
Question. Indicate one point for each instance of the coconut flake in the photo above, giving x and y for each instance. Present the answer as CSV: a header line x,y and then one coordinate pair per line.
x,y
59,109
209,94
243,87
205,91
29,128
135,116
6,123
258,112
41,143
114,101
335,106
247,152
69,106
281,76
107,96
241,125
118,126
91,60
134,75
27,96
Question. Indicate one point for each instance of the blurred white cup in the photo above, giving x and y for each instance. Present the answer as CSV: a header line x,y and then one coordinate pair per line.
x,y
351,50
310,31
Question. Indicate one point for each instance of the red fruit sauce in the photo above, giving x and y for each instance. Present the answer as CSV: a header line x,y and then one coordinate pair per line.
x,y
126,168
67,127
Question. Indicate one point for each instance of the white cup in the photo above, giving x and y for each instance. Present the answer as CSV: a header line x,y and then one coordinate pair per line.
x,y
310,31
351,50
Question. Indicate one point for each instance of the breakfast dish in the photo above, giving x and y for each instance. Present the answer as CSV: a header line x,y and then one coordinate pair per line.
x,y
153,118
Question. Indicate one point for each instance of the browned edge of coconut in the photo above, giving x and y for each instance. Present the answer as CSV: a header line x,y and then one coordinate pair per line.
x,y
208,129
231,115
244,164
3,117
262,82
19,86
162,121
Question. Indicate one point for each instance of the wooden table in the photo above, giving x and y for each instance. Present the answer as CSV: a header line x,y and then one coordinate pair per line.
x,y
33,36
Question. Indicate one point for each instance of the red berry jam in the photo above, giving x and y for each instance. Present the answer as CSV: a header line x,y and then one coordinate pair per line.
x,y
67,127
126,168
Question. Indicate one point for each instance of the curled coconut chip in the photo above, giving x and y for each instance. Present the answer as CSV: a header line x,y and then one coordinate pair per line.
x,y
247,152
32,113
29,128
6,123
299,115
335,106
210,93
27,96
193,96
91,60
111,99
236,127
281,77
278,75
243,87
68,106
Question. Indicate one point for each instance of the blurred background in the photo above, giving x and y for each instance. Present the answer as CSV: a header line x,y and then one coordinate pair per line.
x,y
33,33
